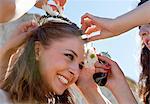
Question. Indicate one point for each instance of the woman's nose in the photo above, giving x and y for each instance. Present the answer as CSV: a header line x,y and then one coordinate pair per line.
x,y
74,69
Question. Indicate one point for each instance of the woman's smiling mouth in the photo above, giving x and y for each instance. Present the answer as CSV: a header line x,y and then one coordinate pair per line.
x,y
63,79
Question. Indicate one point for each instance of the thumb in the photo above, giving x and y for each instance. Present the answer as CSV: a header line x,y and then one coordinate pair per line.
x,y
89,16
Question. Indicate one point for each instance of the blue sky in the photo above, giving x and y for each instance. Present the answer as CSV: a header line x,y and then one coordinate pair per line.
x,y
123,49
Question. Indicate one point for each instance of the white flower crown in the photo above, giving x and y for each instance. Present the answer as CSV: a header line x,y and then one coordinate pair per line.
x,y
52,15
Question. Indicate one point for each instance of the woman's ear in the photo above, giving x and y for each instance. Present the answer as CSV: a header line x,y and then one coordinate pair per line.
x,y
38,49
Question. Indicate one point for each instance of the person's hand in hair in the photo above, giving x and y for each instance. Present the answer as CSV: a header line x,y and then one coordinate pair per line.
x,y
18,38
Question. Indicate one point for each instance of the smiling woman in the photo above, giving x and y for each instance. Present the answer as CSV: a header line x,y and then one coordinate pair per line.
x,y
48,65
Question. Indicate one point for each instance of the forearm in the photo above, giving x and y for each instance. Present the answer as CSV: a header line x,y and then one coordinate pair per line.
x,y
122,92
134,18
91,93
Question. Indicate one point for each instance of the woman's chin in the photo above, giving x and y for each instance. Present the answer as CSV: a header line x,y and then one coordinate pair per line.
x,y
59,92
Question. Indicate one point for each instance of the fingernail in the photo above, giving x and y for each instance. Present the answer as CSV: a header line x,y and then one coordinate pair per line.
x,y
108,70
107,65
98,54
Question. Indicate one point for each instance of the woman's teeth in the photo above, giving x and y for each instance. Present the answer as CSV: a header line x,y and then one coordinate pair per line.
x,y
63,79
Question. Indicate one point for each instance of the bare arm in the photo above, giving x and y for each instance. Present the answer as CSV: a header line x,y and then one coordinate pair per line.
x,y
117,82
89,88
136,17
18,38
114,27
122,92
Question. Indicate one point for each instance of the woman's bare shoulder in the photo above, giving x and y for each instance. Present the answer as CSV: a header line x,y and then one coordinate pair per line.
x,y
4,97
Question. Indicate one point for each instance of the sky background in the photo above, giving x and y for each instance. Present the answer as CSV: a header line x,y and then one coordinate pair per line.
x,y
124,49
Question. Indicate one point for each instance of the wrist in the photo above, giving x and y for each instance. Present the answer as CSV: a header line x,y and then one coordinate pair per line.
x,y
119,82
122,92
91,93
87,84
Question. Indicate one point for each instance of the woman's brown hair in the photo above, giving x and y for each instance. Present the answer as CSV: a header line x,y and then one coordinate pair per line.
x,y
24,82
144,81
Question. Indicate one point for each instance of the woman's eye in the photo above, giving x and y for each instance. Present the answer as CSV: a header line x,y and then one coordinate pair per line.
x,y
70,56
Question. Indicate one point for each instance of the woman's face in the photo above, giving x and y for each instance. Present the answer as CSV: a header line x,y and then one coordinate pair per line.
x,y
145,34
59,63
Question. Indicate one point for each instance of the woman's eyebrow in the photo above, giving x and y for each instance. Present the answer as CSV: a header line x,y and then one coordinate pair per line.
x,y
72,52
